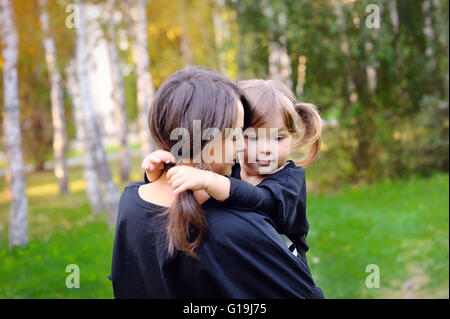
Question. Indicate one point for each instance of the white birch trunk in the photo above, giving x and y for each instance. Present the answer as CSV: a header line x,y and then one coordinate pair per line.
x,y
144,85
428,28
58,117
394,16
279,62
93,192
118,96
371,71
185,45
111,195
345,48
301,75
372,65
18,225
219,32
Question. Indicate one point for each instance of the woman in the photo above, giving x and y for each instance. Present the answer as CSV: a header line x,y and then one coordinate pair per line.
x,y
185,246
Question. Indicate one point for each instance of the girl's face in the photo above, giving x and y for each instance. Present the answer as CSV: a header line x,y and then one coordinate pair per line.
x,y
267,147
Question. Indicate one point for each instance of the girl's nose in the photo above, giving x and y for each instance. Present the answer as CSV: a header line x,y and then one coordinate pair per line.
x,y
264,147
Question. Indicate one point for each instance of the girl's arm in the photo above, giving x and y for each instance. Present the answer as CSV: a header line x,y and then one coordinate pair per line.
x,y
185,177
281,196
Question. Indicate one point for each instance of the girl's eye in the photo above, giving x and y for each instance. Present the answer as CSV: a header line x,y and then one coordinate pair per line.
x,y
279,138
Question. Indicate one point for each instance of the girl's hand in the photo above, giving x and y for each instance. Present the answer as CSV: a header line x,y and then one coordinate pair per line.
x,y
182,178
154,163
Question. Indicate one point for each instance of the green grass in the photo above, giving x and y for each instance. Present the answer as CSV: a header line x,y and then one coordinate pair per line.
x,y
62,231
401,225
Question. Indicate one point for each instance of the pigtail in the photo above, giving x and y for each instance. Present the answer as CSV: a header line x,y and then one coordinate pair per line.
x,y
312,124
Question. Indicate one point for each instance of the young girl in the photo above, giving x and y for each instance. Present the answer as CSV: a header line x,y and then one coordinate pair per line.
x,y
264,179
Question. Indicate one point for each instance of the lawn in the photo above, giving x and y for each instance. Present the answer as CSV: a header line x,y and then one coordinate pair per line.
x,y
402,226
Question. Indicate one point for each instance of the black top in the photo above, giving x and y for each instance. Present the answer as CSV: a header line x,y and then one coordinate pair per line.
x,y
242,257
281,195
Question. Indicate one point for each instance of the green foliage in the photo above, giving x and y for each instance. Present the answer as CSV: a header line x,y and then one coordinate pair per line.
x,y
394,130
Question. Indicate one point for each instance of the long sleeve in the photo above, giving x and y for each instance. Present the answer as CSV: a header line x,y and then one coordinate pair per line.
x,y
281,196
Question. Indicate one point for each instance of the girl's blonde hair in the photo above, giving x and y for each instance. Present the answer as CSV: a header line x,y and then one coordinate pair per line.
x,y
268,98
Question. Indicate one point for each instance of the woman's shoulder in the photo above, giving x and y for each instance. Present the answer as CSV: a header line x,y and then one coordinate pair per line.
x,y
131,202
133,185
129,191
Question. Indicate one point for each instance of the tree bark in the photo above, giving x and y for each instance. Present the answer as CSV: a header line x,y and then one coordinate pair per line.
x,y
279,62
185,43
58,116
219,34
345,48
111,195
118,96
428,28
18,225
93,192
144,85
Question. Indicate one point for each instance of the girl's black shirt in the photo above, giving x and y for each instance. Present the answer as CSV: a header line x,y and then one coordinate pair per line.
x,y
243,255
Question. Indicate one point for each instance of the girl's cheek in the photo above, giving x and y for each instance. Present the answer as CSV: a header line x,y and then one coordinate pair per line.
x,y
284,150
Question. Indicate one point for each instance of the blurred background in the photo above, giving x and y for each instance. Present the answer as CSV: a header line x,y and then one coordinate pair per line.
x,y
79,76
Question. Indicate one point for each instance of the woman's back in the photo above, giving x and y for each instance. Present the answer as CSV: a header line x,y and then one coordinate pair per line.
x,y
242,257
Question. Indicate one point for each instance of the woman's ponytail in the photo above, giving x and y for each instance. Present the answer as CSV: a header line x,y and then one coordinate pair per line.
x,y
186,224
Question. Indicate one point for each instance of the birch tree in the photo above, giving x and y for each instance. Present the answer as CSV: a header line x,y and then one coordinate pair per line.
x,y
144,86
345,48
428,28
279,62
185,45
18,225
92,132
118,95
219,34
91,178
58,117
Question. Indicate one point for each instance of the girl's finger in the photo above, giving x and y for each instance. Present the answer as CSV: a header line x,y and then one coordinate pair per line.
x,y
156,159
144,162
167,158
173,177
181,189
177,183
172,158
171,172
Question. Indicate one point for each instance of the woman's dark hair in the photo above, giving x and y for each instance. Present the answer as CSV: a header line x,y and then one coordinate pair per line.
x,y
187,95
